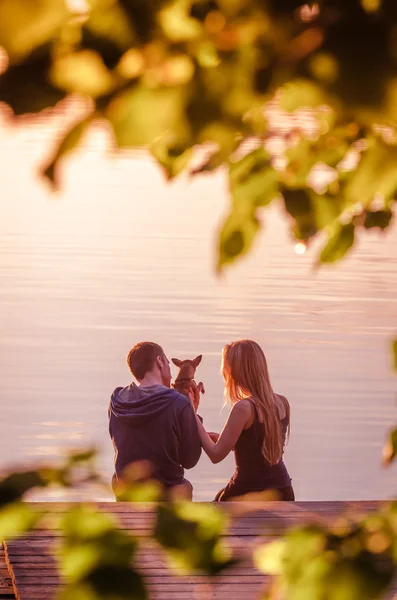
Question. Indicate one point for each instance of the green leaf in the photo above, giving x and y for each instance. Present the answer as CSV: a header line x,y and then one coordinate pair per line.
x,y
339,242
106,47
253,183
316,562
212,162
81,456
15,485
311,212
172,158
376,175
301,93
108,583
93,539
298,203
16,519
378,218
28,24
109,29
25,88
395,354
82,72
211,521
139,116
390,448
327,209
148,491
96,556
69,143
226,140
302,157
191,534
236,237
84,523
176,22
269,558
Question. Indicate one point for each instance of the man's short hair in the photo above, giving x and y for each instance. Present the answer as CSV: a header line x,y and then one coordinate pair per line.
x,y
141,358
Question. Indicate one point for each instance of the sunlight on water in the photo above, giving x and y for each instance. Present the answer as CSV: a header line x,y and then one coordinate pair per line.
x,y
120,256
300,248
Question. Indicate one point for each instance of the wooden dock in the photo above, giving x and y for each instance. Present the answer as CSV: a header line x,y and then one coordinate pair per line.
x,y
6,587
32,568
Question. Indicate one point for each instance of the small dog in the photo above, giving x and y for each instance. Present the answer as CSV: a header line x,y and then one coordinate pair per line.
x,y
185,378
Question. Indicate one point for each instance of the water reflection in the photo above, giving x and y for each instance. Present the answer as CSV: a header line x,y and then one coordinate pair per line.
x,y
121,256
62,435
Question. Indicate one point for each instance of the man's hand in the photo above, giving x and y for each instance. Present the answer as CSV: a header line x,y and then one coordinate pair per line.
x,y
214,436
194,396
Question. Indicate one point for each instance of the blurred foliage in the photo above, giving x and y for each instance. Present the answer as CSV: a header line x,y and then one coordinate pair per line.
x,y
191,533
15,485
395,354
351,560
17,517
97,558
294,103
177,75
390,449
138,484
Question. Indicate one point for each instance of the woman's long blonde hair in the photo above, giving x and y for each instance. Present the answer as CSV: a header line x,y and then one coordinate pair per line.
x,y
244,369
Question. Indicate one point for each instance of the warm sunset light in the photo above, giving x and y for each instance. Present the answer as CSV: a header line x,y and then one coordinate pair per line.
x,y
308,12
300,248
198,274
78,6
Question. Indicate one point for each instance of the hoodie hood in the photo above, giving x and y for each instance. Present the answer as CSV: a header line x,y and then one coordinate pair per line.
x,y
138,405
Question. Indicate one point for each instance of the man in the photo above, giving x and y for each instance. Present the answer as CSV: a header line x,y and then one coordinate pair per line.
x,y
154,423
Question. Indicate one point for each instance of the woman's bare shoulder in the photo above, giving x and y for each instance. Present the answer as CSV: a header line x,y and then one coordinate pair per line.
x,y
243,407
245,411
282,405
282,398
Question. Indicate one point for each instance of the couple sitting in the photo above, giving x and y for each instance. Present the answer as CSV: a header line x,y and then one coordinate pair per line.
x,y
153,423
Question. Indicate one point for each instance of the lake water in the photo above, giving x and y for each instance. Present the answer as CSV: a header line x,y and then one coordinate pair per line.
x,y
122,256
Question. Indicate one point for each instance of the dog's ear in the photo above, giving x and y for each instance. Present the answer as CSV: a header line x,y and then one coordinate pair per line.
x,y
197,361
177,362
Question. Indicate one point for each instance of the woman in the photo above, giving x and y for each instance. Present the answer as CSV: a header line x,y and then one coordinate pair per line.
x,y
256,428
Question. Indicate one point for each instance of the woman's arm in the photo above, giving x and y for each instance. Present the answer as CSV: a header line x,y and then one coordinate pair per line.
x,y
239,416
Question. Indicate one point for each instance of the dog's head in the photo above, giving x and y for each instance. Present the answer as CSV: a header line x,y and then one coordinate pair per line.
x,y
187,368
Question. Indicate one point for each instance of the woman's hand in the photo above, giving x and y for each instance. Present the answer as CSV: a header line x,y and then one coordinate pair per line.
x,y
214,436
217,449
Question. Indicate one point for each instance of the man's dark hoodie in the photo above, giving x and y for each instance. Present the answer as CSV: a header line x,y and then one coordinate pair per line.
x,y
156,424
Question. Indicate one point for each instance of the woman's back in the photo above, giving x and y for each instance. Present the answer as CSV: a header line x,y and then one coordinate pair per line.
x,y
251,466
256,428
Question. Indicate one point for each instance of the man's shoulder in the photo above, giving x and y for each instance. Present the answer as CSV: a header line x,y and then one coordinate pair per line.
x,y
179,399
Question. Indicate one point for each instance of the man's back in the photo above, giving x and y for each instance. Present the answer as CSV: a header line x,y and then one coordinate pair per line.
x,y
156,424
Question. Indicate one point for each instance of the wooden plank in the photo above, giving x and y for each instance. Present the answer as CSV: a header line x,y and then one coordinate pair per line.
x,y
30,593
284,507
35,570
265,518
46,548
6,587
166,580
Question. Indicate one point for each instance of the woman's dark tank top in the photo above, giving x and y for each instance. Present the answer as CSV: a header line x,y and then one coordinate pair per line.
x,y
253,472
